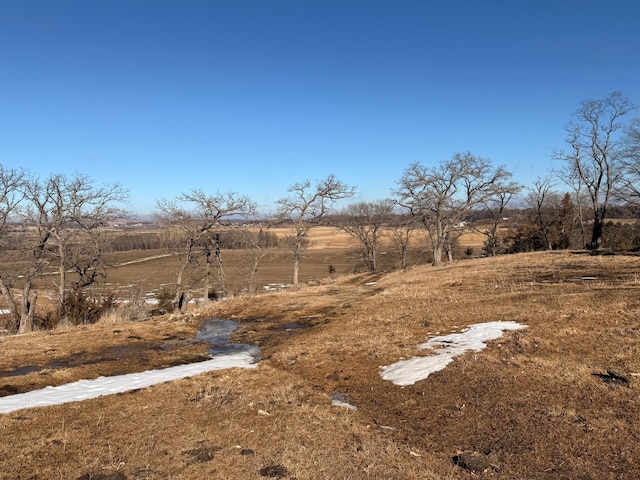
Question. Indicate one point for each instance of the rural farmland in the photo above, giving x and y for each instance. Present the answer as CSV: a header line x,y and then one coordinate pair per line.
x,y
319,240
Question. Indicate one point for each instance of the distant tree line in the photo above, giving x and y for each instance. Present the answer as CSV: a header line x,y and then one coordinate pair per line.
x,y
236,238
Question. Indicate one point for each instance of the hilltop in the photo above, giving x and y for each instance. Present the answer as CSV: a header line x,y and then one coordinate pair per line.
x,y
557,399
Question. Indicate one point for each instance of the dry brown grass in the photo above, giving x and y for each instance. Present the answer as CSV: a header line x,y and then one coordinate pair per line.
x,y
529,404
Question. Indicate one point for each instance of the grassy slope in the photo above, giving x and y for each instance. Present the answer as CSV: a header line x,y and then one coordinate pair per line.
x,y
530,404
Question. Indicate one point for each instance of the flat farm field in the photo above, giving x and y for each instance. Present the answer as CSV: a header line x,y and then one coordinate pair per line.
x,y
329,251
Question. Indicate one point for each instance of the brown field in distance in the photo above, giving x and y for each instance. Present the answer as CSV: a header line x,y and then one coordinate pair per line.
x,y
327,246
146,272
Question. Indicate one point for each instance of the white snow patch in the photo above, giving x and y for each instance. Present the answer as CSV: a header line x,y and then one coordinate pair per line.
x,y
86,389
224,355
340,403
274,287
408,372
339,399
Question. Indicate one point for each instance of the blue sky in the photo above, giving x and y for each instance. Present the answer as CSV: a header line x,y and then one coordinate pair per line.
x,y
254,95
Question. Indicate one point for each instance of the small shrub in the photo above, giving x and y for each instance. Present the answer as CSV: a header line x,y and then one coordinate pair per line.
x,y
48,321
81,309
165,303
132,311
621,236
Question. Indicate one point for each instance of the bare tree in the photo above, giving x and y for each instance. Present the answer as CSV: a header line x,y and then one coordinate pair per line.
x,y
196,214
539,198
13,233
595,153
401,230
306,205
550,221
495,205
581,200
69,212
630,184
364,222
251,263
441,197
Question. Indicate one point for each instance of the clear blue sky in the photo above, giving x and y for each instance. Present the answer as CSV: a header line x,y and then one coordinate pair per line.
x,y
254,95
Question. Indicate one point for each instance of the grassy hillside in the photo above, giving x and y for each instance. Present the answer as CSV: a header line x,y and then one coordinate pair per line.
x,y
558,399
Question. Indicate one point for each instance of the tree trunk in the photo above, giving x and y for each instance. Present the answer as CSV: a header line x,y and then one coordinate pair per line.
x,y
207,274
62,279
596,235
222,280
28,310
439,241
176,298
183,302
403,257
296,266
183,267
437,253
11,301
371,256
296,258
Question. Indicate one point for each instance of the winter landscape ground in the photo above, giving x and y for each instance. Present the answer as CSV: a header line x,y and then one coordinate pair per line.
x,y
555,399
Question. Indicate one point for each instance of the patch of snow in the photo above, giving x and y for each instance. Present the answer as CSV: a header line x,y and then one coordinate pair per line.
x,y
274,287
340,403
408,372
224,355
86,389
341,400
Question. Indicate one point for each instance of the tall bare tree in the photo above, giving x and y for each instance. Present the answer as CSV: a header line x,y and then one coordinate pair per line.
x,y
441,197
196,215
306,205
595,153
364,222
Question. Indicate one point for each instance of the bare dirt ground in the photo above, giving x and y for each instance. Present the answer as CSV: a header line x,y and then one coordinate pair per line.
x,y
557,400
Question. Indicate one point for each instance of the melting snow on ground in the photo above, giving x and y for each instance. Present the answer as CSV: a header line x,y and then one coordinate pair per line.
x,y
224,356
447,347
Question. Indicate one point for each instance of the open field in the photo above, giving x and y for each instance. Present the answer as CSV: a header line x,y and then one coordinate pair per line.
x,y
140,274
147,271
558,399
